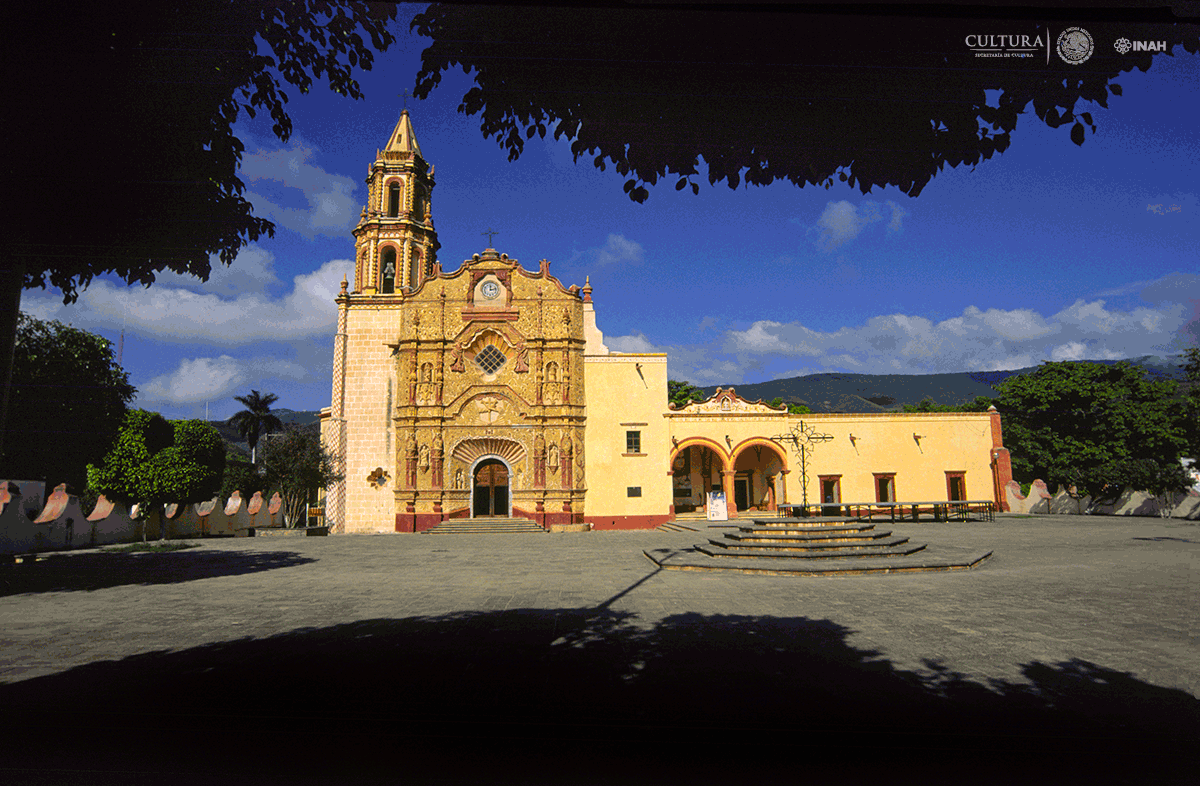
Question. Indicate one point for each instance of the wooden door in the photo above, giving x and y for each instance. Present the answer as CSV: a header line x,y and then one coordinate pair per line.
x,y
491,489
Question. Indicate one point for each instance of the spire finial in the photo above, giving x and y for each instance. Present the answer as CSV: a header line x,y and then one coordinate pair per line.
x,y
587,289
345,285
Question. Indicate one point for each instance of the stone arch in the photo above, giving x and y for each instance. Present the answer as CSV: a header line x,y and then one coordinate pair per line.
x,y
712,444
749,443
699,475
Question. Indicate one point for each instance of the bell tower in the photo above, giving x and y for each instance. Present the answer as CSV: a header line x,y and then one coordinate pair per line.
x,y
395,242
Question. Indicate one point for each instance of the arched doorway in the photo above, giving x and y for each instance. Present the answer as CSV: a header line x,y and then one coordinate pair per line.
x,y
489,495
757,465
696,469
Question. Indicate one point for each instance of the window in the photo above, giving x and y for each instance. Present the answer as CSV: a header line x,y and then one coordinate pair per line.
x,y
633,491
885,487
393,200
633,442
490,359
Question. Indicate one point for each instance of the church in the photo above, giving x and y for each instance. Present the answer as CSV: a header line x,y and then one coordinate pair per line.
x,y
487,391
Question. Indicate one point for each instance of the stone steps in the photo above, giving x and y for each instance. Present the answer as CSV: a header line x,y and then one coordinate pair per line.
x,y
677,526
932,559
811,547
483,526
897,547
797,536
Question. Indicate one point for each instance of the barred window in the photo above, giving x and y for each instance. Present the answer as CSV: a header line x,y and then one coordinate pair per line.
x,y
490,359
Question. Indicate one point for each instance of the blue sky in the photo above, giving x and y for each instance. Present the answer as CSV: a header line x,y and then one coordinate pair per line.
x,y
1046,252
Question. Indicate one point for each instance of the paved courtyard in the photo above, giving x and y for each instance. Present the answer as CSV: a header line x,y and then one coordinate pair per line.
x,y
571,658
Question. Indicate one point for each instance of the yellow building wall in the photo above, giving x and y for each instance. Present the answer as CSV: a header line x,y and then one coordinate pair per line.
x,y
626,393
885,443
959,442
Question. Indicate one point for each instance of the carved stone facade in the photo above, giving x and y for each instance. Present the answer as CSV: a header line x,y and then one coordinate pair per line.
x,y
471,344
443,378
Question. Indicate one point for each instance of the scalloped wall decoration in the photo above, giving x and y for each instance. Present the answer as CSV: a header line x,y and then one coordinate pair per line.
x,y
470,450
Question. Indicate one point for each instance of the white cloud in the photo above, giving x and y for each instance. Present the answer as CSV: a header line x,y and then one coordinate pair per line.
x,y
634,343
213,379
842,221
976,340
252,271
332,207
181,315
618,249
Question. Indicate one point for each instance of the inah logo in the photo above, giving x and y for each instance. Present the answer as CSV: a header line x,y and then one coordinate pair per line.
x,y
1124,45
1075,45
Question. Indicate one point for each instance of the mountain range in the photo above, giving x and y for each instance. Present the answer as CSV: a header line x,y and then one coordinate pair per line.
x,y
865,393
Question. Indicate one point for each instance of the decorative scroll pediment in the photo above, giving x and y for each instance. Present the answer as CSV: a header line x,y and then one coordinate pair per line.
x,y
726,401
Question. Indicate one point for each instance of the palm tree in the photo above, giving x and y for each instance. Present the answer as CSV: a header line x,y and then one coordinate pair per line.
x,y
256,419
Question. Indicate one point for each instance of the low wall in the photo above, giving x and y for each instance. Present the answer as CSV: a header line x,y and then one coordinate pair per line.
x,y
1130,503
27,525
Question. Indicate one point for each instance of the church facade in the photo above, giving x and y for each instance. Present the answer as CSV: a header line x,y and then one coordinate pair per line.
x,y
487,391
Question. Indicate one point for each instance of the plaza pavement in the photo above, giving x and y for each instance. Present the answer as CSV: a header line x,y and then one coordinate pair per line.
x,y
1068,656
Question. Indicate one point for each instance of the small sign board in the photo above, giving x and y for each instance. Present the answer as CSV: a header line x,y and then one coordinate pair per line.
x,y
717,509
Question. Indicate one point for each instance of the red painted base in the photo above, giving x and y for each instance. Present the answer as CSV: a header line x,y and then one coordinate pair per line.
x,y
627,522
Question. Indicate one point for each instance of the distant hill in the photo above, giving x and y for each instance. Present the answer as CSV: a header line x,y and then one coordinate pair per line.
x,y
865,393
242,447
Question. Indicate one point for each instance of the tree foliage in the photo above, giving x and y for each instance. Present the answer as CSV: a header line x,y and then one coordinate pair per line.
x,y
680,393
296,465
154,462
155,91
765,95
793,409
1190,363
240,476
141,99
69,398
256,419
977,404
1080,424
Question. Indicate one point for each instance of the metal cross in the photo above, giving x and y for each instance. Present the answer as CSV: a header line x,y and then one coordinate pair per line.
x,y
490,233
803,438
405,95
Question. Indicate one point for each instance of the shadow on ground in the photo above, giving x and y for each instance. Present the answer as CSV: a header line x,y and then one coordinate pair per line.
x,y
93,570
537,696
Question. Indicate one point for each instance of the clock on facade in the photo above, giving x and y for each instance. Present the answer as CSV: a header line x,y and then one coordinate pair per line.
x,y
490,290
